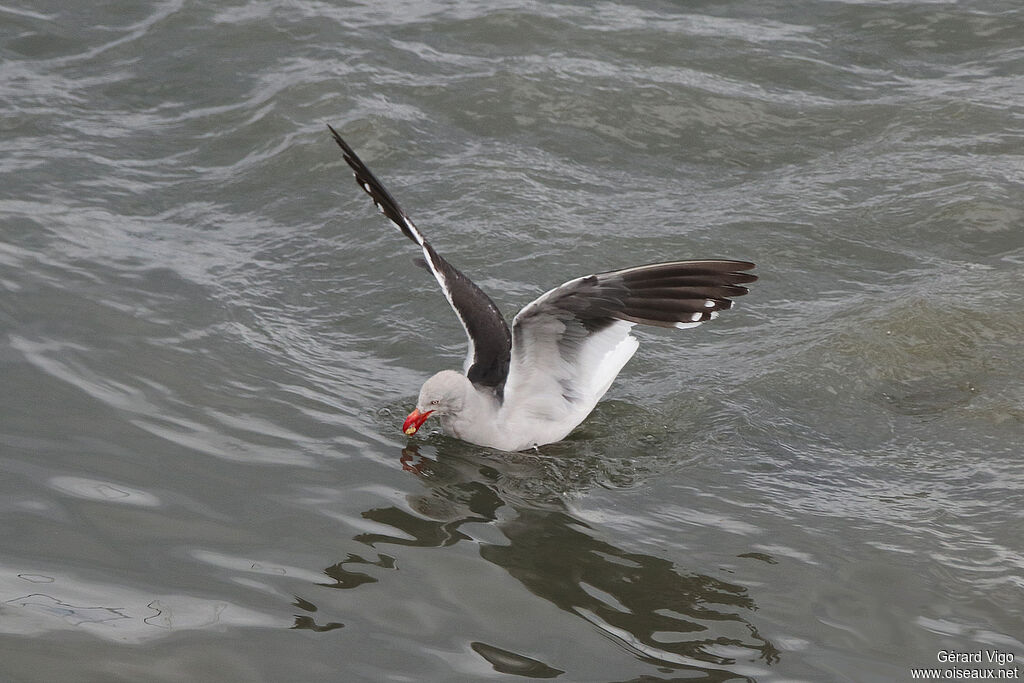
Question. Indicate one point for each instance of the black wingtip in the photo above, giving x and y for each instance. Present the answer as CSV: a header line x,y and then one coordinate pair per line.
x,y
680,293
373,187
341,143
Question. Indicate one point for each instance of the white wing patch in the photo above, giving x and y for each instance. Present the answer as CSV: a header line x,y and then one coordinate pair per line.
x,y
446,290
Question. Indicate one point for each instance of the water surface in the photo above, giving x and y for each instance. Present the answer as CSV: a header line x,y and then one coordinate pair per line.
x,y
210,339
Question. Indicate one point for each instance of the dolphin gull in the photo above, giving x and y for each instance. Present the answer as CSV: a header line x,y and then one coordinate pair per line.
x,y
532,386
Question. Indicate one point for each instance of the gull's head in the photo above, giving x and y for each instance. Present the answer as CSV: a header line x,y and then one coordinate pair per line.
x,y
443,394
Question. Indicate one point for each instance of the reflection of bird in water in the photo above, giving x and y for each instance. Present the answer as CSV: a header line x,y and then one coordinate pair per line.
x,y
686,621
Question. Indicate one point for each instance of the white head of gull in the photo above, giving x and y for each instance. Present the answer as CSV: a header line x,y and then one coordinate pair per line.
x,y
533,385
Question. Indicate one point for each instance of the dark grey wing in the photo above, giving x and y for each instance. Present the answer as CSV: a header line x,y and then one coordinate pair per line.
x,y
490,343
572,341
678,294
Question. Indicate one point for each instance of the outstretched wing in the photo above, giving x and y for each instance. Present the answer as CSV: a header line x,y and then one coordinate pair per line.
x,y
570,343
487,361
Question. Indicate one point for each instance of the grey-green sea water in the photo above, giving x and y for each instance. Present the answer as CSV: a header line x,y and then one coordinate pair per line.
x,y
209,340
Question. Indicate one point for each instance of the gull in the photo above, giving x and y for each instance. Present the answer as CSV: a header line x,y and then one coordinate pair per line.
x,y
533,385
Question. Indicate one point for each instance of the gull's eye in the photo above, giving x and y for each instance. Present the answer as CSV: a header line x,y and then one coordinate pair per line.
x,y
434,402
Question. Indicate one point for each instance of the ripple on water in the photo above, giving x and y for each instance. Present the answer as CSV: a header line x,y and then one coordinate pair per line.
x,y
43,603
105,491
188,271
